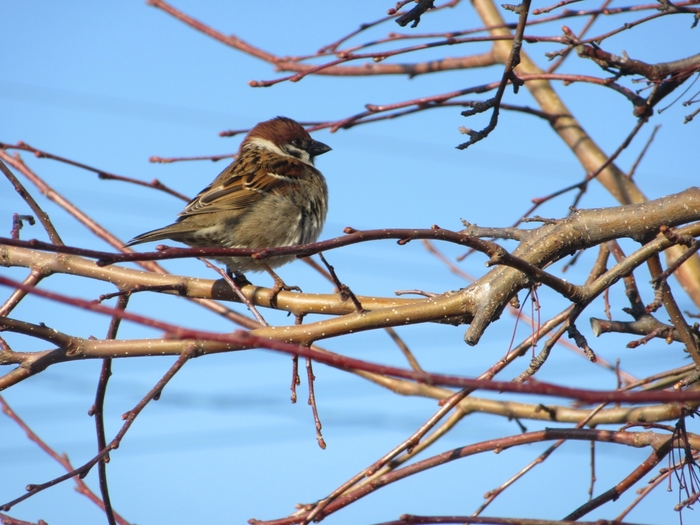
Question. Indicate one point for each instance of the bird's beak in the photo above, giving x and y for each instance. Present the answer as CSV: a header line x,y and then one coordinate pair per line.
x,y
318,148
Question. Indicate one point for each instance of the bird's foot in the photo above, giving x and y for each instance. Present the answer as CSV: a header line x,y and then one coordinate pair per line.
x,y
238,278
279,286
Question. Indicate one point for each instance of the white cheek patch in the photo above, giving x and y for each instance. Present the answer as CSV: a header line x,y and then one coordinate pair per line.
x,y
301,154
268,145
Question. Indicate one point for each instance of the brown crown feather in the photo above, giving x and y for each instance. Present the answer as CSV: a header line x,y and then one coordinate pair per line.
x,y
279,130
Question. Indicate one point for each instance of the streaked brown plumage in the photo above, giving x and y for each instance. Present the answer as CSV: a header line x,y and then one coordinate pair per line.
x,y
271,195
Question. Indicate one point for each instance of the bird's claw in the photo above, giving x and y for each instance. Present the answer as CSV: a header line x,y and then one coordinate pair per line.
x,y
281,286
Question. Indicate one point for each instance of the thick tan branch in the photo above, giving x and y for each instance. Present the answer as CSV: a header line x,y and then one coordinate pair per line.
x,y
581,144
480,303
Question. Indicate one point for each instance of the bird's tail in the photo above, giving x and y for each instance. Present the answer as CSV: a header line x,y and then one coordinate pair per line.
x,y
153,235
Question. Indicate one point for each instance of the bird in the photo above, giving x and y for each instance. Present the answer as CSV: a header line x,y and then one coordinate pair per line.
x,y
271,195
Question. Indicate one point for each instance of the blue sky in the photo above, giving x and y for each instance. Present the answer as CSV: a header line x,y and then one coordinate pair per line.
x,y
111,84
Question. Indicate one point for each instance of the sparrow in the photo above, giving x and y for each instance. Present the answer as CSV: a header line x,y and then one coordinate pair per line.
x,y
272,195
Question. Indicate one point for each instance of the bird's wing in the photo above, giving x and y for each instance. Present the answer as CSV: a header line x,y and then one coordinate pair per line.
x,y
246,180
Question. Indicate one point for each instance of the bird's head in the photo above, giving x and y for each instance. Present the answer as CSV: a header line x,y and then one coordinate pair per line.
x,y
285,137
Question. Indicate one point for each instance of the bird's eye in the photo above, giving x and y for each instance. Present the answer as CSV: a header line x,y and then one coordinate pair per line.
x,y
296,142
